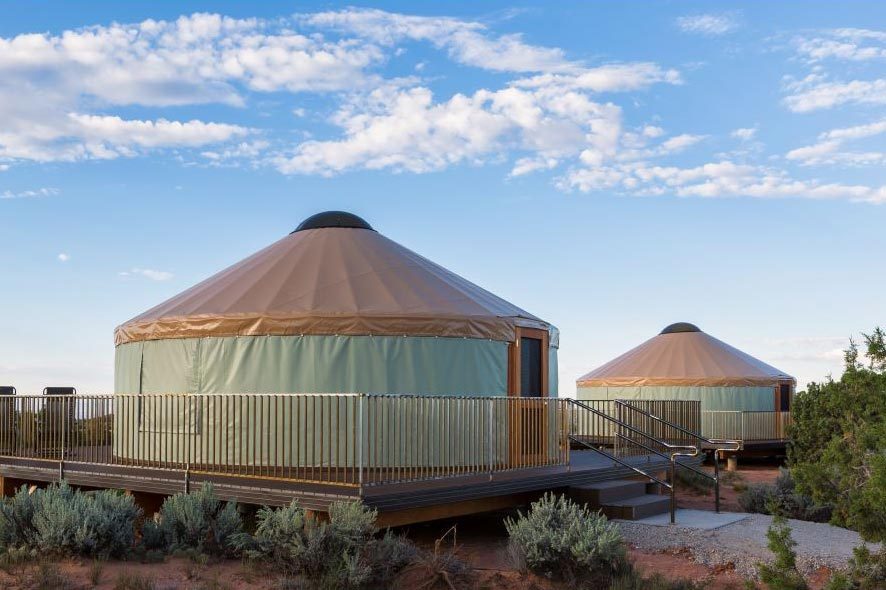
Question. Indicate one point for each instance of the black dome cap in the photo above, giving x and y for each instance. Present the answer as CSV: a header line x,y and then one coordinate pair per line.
x,y
333,219
680,327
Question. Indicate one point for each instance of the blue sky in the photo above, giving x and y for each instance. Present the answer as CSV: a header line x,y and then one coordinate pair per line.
x,y
610,167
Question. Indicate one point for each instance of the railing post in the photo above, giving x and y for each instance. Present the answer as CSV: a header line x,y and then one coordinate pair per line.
x,y
673,504
61,458
184,412
716,481
361,401
491,404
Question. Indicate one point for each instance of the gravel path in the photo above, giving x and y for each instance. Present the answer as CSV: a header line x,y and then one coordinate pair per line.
x,y
743,543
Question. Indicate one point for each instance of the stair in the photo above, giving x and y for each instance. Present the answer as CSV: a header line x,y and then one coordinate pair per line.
x,y
622,498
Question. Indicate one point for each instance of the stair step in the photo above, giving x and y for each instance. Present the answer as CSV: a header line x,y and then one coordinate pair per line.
x,y
604,492
637,507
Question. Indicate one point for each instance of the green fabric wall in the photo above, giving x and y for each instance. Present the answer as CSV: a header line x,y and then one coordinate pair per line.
x,y
712,398
314,364
553,376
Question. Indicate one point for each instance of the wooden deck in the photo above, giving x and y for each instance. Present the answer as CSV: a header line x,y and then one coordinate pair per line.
x,y
470,493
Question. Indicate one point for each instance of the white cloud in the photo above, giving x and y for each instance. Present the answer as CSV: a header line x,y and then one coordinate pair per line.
x,y
529,165
807,97
58,94
678,143
708,24
828,149
744,133
715,179
406,130
466,42
843,44
154,275
64,257
195,59
606,78
30,194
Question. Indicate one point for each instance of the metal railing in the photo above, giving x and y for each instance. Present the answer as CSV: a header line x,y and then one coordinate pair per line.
x,y
749,426
628,441
342,439
669,429
684,412
352,440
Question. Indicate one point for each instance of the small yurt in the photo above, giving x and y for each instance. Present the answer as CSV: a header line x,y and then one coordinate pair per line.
x,y
684,363
333,307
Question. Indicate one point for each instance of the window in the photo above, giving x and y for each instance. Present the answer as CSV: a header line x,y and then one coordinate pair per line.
x,y
530,367
784,391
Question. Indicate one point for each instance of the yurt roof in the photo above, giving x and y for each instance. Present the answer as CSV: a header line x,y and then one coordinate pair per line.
x,y
684,355
333,275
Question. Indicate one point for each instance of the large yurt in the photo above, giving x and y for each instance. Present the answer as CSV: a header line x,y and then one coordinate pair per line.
x,y
684,363
333,307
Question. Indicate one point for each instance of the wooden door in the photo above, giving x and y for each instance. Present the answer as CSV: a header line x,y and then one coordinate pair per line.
x,y
529,410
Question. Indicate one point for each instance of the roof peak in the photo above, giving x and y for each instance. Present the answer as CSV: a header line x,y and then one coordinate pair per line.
x,y
680,327
326,219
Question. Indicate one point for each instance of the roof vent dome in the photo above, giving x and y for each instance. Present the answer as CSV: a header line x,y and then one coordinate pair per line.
x,y
680,327
333,219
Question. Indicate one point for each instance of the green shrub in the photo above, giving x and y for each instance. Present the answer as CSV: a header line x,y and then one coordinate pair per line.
x,y
782,498
340,553
559,538
694,481
837,440
867,571
757,498
197,521
58,520
782,574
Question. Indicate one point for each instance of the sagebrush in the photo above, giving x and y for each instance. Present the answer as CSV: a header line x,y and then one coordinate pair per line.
x,y
343,552
197,522
61,521
559,538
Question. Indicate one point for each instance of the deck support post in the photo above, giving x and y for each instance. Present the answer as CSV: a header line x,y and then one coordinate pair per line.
x,y
187,479
732,463
716,483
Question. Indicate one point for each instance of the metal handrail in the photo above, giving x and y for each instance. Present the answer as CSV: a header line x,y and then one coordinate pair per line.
x,y
713,441
620,462
633,429
737,444
676,451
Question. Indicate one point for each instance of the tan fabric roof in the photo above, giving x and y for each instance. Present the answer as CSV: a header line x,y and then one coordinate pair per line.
x,y
684,358
332,281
